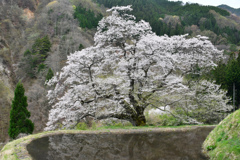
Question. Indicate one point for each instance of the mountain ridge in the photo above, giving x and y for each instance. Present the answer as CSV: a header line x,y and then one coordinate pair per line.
x,y
230,9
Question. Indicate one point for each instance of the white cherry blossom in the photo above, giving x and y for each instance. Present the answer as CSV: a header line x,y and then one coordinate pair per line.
x,y
127,66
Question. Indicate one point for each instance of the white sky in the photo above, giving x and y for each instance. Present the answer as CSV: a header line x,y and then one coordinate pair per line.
x,y
231,3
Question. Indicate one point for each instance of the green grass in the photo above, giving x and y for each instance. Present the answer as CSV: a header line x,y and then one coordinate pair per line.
x,y
223,143
226,148
15,156
1,147
81,126
143,127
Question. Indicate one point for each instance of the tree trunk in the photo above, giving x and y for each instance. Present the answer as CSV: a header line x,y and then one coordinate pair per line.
x,y
139,120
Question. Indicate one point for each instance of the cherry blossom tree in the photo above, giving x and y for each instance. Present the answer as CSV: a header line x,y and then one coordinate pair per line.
x,y
209,103
202,102
127,66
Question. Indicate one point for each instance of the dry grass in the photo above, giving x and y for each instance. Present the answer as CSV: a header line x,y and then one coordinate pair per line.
x,y
6,95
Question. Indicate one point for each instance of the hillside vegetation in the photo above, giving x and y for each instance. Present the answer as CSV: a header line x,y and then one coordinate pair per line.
x,y
230,9
68,26
223,142
35,39
172,18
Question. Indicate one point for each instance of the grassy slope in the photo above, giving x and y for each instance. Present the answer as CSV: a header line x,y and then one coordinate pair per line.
x,y
224,141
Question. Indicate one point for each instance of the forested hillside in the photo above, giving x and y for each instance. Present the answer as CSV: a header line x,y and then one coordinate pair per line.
x,y
172,18
36,36
230,9
35,39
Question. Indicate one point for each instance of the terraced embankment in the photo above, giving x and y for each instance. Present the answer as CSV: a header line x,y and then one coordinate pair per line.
x,y
182,140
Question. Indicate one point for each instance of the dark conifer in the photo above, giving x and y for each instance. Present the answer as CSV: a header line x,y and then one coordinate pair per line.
x,y
49,74
19,115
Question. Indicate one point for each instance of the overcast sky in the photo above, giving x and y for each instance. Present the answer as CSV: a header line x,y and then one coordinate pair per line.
x,y
232,3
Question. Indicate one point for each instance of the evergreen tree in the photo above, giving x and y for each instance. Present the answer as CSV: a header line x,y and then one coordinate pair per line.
x,y
228,76
86,18
41,47
49,74
81,47
33,60
233,78
19,115
27,53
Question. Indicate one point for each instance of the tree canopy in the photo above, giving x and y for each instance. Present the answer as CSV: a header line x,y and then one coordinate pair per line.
x,y
33,61
125,71
86,18
228,76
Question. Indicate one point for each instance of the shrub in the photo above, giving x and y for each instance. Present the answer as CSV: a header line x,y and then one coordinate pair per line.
x,y
210,148
49,74
169,120
162,120
41,67
94,125
81,47
81,126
